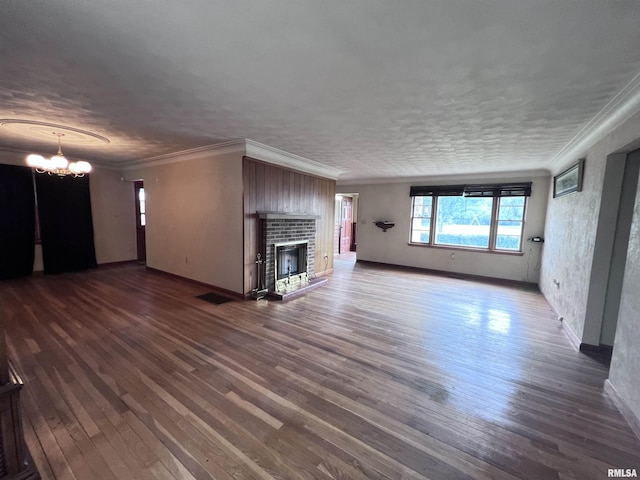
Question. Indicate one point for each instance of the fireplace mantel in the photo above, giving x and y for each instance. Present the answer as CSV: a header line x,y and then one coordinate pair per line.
x,y
286,216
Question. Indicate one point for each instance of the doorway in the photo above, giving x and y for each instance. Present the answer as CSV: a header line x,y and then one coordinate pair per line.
x,y
141,220
620,187
345,240
621,236
345,225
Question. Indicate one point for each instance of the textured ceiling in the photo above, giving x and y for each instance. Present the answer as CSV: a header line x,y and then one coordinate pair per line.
x,y
374,88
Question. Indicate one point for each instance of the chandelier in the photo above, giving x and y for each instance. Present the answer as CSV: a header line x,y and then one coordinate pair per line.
x,y
58,164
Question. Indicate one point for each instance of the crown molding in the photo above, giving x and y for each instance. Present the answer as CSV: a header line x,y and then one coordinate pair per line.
x,y
242,146
106,166
232,146
13,150
517,175
281,158
12,156
620,108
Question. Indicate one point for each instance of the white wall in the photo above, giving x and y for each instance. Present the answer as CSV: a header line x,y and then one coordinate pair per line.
x,y
625,363
391,201
620,247
572,257
570,231
194,218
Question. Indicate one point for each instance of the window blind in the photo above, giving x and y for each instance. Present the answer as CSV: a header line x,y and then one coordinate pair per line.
x,y
499,190
489,190
438,190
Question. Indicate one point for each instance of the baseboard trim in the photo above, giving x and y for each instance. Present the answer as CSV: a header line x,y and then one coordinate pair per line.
x,y
214,288
627,413
566,328
324,273
580,346
117,264
572,336
597,349
461,276
98,265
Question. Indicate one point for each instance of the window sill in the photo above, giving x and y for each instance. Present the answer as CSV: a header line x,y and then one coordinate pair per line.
x,y
467,249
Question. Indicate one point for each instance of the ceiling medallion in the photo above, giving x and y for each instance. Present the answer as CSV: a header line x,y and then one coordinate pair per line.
x,y
43,130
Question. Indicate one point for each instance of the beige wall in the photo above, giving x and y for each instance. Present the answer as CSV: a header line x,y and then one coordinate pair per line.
x,y
113,210
113,214
392,202
194,218
38,266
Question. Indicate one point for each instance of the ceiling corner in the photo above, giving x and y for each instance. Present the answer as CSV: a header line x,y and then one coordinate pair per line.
x,y
621,107
281,158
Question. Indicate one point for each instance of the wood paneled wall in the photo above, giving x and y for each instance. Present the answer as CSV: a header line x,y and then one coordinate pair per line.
x,y
269,188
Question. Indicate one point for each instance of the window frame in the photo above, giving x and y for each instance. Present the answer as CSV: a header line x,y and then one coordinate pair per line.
x,y
495,222
493,227
430,231
140,205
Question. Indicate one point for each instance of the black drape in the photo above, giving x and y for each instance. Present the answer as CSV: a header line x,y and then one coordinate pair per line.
x,y
17,221
66,224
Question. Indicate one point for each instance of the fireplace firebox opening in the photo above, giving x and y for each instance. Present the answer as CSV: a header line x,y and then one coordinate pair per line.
x,y
290,265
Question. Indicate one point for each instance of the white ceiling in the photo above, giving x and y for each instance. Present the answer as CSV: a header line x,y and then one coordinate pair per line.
x,y
374,88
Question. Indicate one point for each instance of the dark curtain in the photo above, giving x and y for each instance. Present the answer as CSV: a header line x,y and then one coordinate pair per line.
x,y
17,221
66,224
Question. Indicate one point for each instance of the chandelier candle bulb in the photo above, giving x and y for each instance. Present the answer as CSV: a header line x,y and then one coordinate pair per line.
x,y
36,161
58,164
80,167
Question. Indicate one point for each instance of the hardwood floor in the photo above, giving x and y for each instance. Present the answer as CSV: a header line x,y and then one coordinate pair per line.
x,y
381,374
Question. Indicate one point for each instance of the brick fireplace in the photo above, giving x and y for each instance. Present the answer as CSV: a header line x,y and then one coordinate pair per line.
x,y
288,231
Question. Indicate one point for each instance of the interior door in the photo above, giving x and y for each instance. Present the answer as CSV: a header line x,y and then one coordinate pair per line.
x,y
141,220
345,224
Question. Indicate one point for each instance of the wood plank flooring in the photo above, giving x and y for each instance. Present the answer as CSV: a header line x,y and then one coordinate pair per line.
x,y
381,374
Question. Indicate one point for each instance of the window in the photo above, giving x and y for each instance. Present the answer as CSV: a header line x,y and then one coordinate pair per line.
x,y
463,221
421,221
143,207
510,223
488,217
